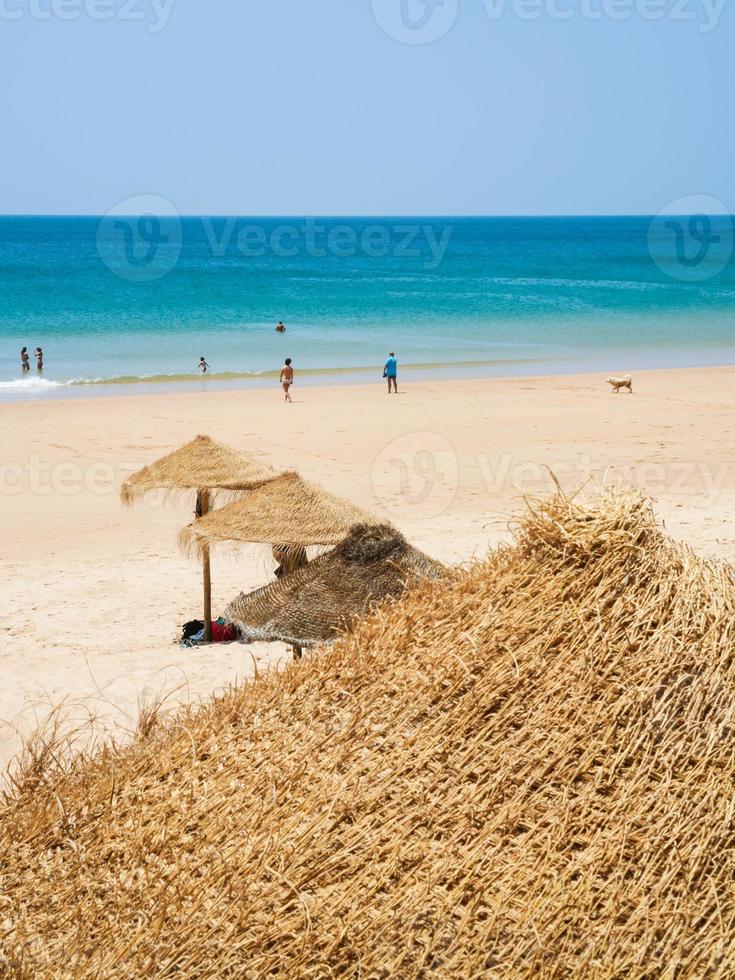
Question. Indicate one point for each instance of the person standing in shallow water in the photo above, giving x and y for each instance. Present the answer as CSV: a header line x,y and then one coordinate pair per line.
x,y
203,366
24,365
287,379
391,372
39,358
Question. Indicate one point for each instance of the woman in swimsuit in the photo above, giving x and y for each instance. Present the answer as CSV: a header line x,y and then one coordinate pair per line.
x,y
287,378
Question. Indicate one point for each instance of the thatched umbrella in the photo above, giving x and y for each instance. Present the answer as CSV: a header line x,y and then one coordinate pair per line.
x,y
317,602
288,511
206,467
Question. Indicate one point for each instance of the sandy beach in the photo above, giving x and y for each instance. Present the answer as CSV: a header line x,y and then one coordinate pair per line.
x,y
93,594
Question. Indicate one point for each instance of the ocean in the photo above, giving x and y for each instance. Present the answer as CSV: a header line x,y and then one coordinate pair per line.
x,y
130,301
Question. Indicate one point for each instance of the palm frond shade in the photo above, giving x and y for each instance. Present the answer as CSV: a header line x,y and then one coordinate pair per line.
x,y
319,601
202,464
287,511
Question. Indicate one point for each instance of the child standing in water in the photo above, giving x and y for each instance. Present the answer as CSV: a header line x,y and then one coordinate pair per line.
x,y
203,366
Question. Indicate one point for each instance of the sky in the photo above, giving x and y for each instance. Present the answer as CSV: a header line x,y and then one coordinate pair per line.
x,y
366,107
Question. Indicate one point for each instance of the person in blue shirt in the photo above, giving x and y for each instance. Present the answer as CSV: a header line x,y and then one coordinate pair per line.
x,y
391,372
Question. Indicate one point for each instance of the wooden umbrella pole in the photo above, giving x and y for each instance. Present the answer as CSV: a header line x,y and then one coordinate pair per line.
x,y
202,509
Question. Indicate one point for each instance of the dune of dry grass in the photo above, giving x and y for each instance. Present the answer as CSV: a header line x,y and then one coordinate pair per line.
x,y
525,769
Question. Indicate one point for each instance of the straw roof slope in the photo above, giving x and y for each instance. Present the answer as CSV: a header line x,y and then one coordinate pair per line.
x,y
201,464
286,511
317,603
523,769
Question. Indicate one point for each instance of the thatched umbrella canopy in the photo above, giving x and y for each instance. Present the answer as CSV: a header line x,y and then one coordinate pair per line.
x,y
317,602
205,467
201,464
288,511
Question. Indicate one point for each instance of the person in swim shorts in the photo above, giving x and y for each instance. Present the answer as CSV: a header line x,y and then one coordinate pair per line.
x,y
391,372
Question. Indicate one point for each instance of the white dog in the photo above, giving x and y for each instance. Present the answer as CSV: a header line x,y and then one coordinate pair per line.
x,y
618,383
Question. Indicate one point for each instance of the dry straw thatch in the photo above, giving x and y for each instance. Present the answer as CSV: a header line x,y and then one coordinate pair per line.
x,y
524,769
317,602
287,511
201,464
209,468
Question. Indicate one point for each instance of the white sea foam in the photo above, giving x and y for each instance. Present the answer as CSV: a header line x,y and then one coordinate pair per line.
x,y
35,385
31,384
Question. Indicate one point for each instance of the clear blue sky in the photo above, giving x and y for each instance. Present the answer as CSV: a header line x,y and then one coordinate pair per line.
x,y
295,107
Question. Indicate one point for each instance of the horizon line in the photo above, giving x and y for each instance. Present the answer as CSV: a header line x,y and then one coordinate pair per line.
x,y
337,217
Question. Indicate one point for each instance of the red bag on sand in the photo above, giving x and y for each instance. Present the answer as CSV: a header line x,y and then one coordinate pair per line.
x,y
223,633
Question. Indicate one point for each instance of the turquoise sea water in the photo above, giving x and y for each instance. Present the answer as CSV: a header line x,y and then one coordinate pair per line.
x,y
125,300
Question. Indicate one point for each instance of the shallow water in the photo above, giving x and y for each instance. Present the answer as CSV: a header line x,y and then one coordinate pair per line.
x,y
123,301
